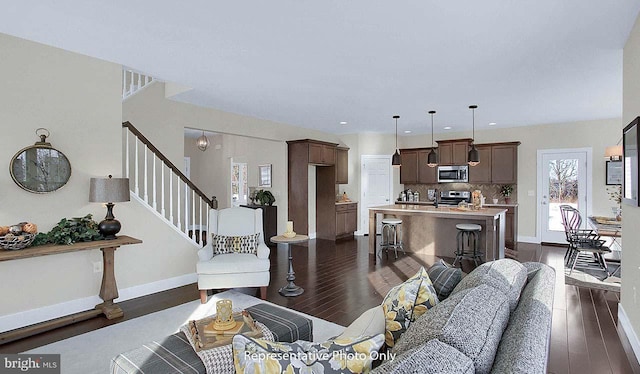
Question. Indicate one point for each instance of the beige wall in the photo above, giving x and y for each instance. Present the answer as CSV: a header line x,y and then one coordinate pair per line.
x,y
631,215
79,100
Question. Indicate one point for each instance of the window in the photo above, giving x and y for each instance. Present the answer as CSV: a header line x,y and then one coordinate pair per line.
x,y
239,187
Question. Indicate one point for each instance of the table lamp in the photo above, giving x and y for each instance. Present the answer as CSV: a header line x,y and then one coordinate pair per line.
x,y
109,190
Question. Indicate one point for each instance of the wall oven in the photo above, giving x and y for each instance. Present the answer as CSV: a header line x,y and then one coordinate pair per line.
x,y
453,174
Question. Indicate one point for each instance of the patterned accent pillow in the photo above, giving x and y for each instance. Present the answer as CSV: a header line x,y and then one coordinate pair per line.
x,y
405,303
445,278
238,244
219,243
349,355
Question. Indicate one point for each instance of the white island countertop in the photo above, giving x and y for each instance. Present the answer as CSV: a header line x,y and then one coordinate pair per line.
x,y
440,210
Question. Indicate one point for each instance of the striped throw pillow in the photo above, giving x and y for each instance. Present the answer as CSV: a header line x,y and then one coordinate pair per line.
x,y
444,278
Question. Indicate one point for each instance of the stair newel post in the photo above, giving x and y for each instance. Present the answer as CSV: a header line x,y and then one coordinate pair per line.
x,y
155,195
162,197
178,188
146,176
170,198
137,169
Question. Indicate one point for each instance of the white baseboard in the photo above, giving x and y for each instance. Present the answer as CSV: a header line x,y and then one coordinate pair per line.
x,y
625,325
359,233
528,239
30,317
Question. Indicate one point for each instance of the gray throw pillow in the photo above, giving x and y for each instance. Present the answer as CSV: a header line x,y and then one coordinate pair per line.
x,y
444,278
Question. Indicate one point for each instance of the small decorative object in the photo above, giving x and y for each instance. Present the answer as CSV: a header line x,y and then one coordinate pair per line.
x,y
265,197
345,198
69,231
16,236
506,190
224,316
264,175
476,199
109,190
289,233
40,168
495,201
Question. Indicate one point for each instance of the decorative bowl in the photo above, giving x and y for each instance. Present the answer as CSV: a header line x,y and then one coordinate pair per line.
x,y
14,242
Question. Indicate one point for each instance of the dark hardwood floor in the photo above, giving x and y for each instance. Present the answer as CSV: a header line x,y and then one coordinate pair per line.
x,y
341,282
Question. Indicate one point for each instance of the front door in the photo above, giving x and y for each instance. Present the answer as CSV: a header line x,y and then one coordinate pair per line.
x,y
377,187
564,178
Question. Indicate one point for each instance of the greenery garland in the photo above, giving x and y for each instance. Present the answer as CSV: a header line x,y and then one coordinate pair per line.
x,y
69,231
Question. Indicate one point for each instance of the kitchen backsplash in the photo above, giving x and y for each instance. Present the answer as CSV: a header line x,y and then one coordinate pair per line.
x,y
490,191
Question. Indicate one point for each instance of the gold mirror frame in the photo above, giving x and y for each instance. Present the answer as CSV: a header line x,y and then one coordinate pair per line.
x,y
40,168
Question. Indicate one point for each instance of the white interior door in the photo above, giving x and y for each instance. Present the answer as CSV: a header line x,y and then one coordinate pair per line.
x,y
564,178
376,186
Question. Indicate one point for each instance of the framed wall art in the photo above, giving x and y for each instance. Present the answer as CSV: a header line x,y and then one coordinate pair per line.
x,y
264,175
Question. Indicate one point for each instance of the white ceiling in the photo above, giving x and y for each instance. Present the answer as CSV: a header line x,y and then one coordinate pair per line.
x,y
317,63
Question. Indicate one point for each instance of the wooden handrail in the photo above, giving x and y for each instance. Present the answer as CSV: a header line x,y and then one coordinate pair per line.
x,y
166,161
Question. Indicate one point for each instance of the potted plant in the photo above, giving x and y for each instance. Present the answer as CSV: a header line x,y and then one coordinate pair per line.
x,y
506,190
265,197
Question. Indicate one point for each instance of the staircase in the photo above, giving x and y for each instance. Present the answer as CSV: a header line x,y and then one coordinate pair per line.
x,y
160,186
133,81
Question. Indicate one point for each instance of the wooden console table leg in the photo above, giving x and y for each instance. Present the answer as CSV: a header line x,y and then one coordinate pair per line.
x,y
109,289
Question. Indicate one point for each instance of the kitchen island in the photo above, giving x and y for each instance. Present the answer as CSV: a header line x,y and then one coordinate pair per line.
x,y
432,231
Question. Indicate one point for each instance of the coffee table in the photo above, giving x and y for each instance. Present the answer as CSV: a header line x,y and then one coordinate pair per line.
x,y
290,289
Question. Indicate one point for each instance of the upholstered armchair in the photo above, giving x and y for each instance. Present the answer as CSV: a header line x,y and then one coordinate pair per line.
x,y
239,233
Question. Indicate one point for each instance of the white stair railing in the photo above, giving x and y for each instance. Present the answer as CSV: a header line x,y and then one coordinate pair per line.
x,y
133,81
163,188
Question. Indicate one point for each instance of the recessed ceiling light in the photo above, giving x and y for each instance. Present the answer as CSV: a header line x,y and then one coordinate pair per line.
x,y
492,123
407,131
343,123
447,127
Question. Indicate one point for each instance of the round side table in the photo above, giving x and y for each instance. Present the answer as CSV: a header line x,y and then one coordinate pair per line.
x,y
290,289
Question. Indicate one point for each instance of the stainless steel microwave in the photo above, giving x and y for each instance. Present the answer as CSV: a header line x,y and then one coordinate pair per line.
x,y
452,174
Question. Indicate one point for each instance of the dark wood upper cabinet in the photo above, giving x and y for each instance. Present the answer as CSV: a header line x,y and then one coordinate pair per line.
x,y
481,173
426,174
342,165
409,166
504,163
322,154
453,152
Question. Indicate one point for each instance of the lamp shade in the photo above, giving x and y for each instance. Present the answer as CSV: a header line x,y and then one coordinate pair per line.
x,y
395,159
474,156
432,159
109,190
613,152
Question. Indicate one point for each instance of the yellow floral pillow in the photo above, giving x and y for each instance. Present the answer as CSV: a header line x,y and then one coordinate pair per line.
x,y
344,355
405,303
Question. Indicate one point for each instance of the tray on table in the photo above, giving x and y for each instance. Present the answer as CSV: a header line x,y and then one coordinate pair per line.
x,y
205,337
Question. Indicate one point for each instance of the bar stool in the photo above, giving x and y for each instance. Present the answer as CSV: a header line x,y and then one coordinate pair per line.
x,y
470,232
391,226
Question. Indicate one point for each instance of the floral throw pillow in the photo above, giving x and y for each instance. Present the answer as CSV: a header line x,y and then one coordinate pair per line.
x,y
405,303
345,355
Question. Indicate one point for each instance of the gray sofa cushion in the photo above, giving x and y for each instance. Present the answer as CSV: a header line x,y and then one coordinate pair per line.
x,y
444,278
506,275
471,320
524,344
429,358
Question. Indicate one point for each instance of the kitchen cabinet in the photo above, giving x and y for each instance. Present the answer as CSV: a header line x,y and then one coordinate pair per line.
x,y
504,163
342,165
301,154
481,173
346,219
269,221
322,154
453,152
409,166
426,175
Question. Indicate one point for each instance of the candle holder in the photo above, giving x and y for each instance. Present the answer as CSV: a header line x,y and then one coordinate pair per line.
x,y
289,233
224,316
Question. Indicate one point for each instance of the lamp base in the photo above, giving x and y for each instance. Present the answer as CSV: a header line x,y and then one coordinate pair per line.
x,y
109,228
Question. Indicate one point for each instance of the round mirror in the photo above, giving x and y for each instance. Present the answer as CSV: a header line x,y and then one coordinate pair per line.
x,y
40,168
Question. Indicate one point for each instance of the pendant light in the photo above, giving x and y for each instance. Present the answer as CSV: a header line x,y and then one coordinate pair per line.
x,y
432,158
395,160
202,142
474,157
